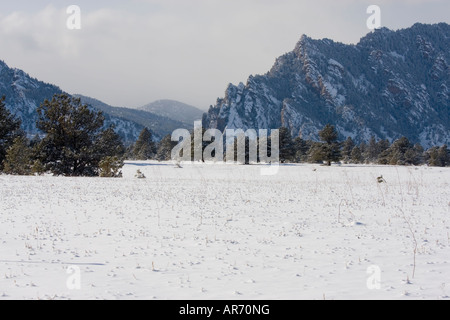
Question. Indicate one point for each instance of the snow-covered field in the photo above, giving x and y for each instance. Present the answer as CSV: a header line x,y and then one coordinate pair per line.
x,y
226,232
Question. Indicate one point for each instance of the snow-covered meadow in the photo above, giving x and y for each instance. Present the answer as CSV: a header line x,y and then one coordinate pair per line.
x,y
227,232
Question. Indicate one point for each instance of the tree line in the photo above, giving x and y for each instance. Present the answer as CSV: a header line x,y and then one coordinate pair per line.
x,y
330,150
75,143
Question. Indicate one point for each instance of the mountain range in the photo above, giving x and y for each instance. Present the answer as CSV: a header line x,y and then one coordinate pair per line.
x,y
390,84
24,94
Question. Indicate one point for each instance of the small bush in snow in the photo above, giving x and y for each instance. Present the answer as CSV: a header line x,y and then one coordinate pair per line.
x,y
140,175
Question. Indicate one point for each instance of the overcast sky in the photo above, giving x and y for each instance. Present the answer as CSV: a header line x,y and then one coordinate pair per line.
x,y
130,53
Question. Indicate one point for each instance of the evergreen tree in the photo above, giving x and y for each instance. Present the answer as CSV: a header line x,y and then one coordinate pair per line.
x,y
420,154
444,156
165,148
287,150
431,157
144,148
382,146
363,149
384,159
329,135
372,151
18,158
301,149
331,149
71,130
9,130
109,144
318,152
356,156
347,149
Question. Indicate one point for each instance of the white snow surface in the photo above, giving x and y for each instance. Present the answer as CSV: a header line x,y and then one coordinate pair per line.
x,y
210,231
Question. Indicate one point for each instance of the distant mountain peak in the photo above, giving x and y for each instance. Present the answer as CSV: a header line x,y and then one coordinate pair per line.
x,y
174,110
159,125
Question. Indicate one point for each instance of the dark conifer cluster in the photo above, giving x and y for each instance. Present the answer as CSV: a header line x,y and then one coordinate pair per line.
x,y
330,150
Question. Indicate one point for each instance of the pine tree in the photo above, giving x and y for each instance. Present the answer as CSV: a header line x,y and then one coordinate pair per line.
x,y
444,156
363,149
331,149
144,148
383,146
9,130
347,149
110,153
287,151
356,156
420,154
109,144
329,135
318,153
431,157
301,149
372,151
71,132
165,148
18,158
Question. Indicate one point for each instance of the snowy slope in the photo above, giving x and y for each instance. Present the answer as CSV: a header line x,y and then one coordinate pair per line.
x,y
225,232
